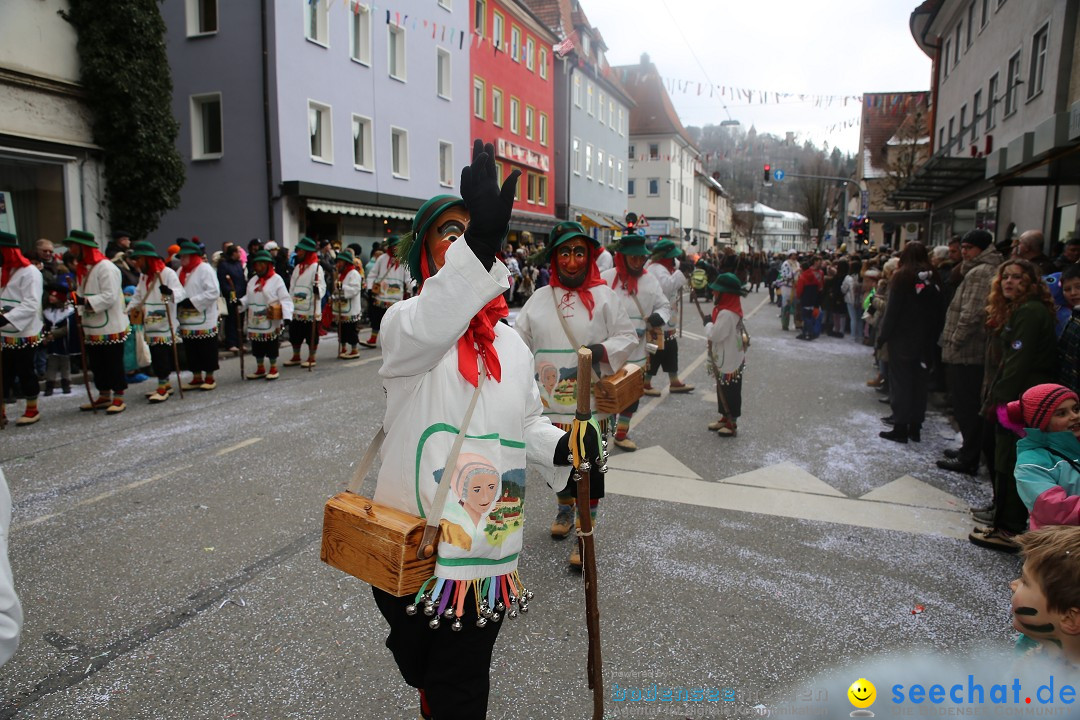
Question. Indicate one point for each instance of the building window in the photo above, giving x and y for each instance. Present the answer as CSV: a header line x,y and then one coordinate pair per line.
x,y
611,114
577,90
632,153
515,112
630,187
446,164
202,17
654,187
611,171
399,152
985,13
1012,84
315,20
478,92
497,30
600,165
654,151
396,51
480,21
602,103
622,131
515,44
360,35
541,190
530,121
497,106
442,72
963,124
991,102
542,62
590,100
543,129
970,21
976,111
952,131
530,197
945,57
588,161
363,155
585,45
206,136
1038,61
959,33
941,137
577,156
319,127
530,54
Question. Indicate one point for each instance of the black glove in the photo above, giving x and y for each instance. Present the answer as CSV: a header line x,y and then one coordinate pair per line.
x,y
3,321
655,320
489,207
80,300
165,290
592,448
599,355
187,304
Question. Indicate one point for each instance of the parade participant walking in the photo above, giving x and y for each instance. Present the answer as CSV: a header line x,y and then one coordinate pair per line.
x,y
785,282
672,281
576,309
347,309
308,286
156,297
20,324
728,336
386,282
645,304
267,305
61,337
439,349
198,314
104,323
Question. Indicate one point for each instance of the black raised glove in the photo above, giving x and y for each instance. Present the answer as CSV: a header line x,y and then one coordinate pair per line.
x,y
655,320
165,290
80,300
489,206
186,304
3,321
599,355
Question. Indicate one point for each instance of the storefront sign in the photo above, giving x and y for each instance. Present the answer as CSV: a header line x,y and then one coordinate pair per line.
x,y
518,154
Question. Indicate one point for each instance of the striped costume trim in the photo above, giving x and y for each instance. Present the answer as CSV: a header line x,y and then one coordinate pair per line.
x,y
158,340
112,339
198,334
493,597
264,337
19,342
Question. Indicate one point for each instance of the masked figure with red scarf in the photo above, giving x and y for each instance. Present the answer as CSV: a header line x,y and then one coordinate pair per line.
x,y
105,323
435,347
308,286
347,310
198,315
664,267
647,306
386,283
267,305
20,323
726,332
576,308
157,293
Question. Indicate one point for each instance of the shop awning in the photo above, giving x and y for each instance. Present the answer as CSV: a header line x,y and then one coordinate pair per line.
x,y
344,208
940,176
532,222
599,221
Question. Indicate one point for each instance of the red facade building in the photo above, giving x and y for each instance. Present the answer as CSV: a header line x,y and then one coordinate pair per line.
x,y
513,97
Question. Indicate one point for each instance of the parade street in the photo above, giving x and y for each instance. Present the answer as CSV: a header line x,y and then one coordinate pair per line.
x,y
167,558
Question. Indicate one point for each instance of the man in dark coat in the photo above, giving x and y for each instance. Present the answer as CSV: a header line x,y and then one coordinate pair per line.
x,y
233,283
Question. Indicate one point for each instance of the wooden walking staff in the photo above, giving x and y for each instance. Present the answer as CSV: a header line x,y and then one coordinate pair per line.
x,y
82,348
172,337
336,299
240,334
316,318
585,534
712,360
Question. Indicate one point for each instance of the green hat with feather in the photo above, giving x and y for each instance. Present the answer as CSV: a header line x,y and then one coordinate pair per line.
x,y
411,244
561,233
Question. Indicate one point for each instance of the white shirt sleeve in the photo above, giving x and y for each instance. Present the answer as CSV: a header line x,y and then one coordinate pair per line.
x,y
11,616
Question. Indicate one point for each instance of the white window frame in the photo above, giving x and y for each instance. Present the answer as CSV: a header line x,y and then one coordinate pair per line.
x,y
360,35
194,12
577,90
514,108
541,60
600,166
366,139
976,112
446,163
400,58
541,189
992,87
590,99
530,122
498,29
325,118
396,132
657,155
576,147
497,107
611,170
619,175
443,73
601,107
650,187
1037,63
621,131
321,19
630,187
198,132
588,161
611,115
530,192
515,43
631,153
945,57
530,53
479,97
1012,82
480,21
543,129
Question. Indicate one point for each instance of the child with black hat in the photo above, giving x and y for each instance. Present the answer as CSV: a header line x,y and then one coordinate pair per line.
x,y
62,337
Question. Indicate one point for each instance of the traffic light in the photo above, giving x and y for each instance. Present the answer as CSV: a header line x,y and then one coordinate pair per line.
x,y
631,222
866,230
768,172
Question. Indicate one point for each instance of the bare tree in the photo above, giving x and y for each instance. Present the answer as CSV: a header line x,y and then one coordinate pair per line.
x,y
905,154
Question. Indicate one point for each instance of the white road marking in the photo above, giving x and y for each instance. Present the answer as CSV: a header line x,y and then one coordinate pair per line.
x,y
226,451
365,361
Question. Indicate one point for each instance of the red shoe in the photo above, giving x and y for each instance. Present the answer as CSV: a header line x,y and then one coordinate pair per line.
x,y
29,417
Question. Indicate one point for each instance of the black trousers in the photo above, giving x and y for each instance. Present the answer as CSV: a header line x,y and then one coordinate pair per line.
x,y
666,359
909,383
733,394
161,361
300,332
106,362
1010,513
266,348
376,313
452,668
965,389
232,336
350,333
202,354
19,363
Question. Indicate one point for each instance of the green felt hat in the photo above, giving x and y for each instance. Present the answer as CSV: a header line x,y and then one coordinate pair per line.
x,y
145,248
308,244
262,256
81,237
665,248
189,248
632,244
411,244
728,283
8,239
392,241
346,256
561,233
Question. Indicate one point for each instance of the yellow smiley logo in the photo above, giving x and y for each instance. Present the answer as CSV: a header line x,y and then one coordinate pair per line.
x,y
862,693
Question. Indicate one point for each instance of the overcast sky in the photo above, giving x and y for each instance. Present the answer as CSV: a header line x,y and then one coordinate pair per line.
x,y
823,47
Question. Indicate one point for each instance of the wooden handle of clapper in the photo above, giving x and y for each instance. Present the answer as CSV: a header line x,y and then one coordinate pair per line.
x,y
584,384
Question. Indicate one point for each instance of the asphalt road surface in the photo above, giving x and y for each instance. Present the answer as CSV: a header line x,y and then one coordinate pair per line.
x,y
168,558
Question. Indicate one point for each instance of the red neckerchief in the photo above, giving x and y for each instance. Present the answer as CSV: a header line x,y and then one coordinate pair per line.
x,y
479,337
13,260
592,279
185,269
262,280
669,263
154,266
90,257
349,269
727,301
393,263
622,275
310,258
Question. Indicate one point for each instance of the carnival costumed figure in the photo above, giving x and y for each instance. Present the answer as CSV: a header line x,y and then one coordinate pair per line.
x,y
21,324
386,283
156,295
347,308
198,315
308,285
728,336
267,306
664,267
